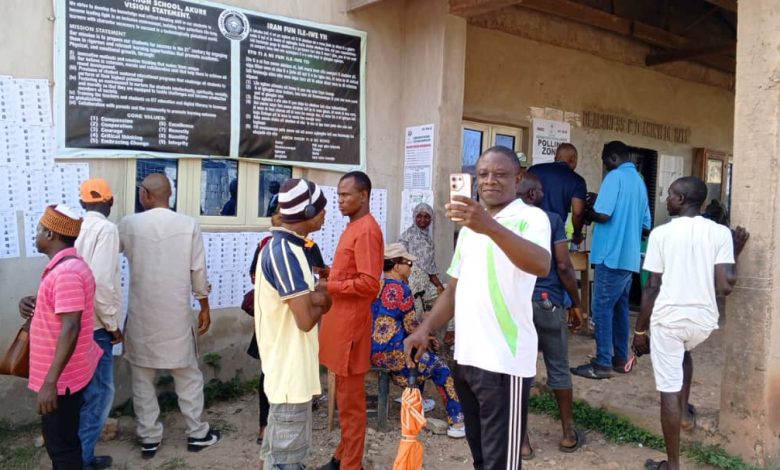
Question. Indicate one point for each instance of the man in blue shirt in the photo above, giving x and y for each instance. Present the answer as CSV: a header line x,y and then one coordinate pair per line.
x,y
564,189
621,213
550,319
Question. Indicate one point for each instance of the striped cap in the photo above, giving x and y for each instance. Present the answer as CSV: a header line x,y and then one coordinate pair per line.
x,y
294,195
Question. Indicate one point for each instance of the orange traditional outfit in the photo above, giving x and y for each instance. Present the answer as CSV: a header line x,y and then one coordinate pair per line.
x,y
345,334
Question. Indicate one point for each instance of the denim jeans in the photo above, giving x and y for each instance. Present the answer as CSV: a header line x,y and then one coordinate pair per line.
x,y
610,314
98,397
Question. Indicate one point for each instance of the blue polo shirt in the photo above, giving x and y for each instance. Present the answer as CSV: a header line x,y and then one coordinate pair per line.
x,y
623,197
560,184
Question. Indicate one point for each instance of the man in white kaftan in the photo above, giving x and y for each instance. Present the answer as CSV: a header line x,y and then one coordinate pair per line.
x,y
167,266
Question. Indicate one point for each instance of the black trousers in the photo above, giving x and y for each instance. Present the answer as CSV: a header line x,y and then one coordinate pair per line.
x,y
61,432
495,408
265,407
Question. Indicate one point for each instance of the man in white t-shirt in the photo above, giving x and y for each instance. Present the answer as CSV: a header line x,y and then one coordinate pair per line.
x,y
690,260
503,246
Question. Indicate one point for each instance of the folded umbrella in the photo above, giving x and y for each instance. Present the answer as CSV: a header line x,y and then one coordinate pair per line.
x,y
410,451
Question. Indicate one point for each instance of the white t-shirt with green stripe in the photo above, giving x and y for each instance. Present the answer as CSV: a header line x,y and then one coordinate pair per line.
x,y
494,327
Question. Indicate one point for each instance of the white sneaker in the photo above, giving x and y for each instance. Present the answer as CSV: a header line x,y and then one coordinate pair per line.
x,y
428,404
456,433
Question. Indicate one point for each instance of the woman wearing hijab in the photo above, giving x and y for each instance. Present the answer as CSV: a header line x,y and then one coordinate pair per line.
x,y
417,240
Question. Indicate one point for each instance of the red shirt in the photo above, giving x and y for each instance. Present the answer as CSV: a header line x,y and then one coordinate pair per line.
x,y
65,288
345,334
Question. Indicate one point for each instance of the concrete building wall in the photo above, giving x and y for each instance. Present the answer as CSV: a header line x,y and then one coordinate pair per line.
x,y
750,391
399,37
507,74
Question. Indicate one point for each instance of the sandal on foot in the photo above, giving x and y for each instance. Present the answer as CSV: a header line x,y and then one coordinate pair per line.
x,y
651,464
580,436
692,426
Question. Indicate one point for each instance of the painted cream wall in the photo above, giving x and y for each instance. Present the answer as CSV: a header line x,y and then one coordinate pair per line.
x,y
506,74
26,32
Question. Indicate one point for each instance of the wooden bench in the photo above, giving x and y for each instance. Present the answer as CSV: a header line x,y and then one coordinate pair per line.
x,y
382,404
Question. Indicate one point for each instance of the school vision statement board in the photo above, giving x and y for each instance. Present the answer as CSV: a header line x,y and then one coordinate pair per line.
x,y
190,78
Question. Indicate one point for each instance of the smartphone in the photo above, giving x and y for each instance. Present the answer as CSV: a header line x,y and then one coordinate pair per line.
x,y
460,185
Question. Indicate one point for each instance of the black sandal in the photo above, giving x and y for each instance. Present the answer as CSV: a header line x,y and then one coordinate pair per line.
x,y
581,438
651,464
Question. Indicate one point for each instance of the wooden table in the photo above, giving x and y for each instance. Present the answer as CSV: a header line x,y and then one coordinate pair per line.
x,y
581,262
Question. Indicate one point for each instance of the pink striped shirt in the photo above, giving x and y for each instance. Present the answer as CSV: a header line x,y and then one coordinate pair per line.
x,y
65,287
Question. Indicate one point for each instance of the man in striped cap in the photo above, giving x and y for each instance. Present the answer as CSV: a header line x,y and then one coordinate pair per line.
x,y
291,305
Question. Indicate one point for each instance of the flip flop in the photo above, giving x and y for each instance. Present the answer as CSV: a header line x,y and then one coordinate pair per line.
x,y
690,427
651,464
581,439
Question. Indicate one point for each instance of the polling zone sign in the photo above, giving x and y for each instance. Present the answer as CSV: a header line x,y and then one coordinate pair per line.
x,y
547,136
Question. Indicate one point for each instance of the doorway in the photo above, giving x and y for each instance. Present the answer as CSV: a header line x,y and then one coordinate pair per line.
x,y
646,161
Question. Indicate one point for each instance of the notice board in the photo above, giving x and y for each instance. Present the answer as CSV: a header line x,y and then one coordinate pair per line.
x,y
191,78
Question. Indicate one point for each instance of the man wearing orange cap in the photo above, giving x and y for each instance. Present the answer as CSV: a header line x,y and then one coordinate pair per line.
x,y
63,355
98,244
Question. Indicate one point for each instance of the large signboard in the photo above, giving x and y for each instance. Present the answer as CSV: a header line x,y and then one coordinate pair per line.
x,y
189,78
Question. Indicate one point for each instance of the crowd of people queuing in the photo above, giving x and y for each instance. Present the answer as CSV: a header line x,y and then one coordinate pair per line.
x,y
511,291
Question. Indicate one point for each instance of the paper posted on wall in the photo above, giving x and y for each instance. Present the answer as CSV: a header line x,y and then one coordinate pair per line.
x,y
547,136
418,157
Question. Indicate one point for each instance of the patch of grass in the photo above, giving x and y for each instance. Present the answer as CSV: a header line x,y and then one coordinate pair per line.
x,y
620,430
16,445
214,391
20,456
173,463
225,426
9,430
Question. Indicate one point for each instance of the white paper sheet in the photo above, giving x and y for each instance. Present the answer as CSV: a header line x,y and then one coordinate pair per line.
x,y
124,283
9,235
31,220
418,157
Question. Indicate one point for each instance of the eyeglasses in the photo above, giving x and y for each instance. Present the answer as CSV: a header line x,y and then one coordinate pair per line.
x,y
406,262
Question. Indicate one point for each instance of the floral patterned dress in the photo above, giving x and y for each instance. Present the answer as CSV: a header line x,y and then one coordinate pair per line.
x,y
394,319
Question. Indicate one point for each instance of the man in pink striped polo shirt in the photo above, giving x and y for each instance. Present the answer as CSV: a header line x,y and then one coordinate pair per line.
x,y
63,355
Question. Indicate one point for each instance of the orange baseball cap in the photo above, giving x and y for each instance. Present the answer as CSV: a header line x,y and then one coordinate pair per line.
x,y
95,190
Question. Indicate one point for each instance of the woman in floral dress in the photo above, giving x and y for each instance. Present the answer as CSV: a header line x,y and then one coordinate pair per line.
x,y
394,319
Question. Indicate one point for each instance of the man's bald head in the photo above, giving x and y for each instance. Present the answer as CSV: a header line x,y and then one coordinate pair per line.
x,y
155,191
567,152
530,190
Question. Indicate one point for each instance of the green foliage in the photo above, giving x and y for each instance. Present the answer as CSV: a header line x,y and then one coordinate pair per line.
x,y
214,391
714,455
20,456
213,360
16,445
620,430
